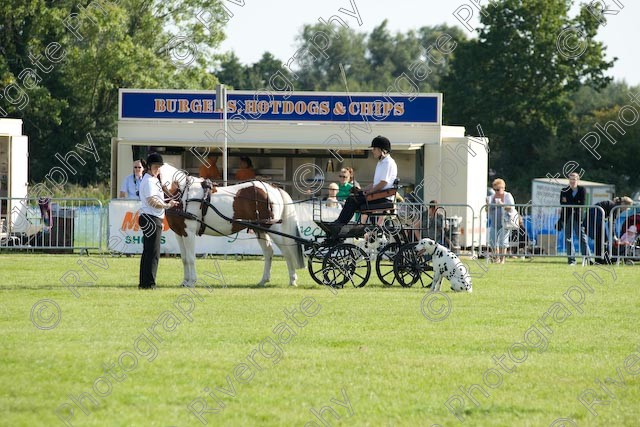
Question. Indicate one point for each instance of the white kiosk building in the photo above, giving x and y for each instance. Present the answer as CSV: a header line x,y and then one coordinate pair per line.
x,y
14,169
300,138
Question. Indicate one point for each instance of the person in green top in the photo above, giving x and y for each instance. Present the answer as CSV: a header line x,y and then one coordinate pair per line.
x,y
345,185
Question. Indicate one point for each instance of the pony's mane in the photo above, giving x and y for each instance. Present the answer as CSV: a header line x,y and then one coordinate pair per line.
x,y
170,174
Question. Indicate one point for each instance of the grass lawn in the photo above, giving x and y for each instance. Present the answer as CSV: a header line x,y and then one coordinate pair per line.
x,y
241,356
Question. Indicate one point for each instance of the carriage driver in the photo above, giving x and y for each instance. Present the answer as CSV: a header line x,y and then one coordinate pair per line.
x,y
383,178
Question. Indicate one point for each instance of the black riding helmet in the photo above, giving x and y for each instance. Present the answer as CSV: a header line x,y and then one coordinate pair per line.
x,y
382,143
154,158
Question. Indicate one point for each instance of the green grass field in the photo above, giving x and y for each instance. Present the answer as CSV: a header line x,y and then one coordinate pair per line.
x,y
118,356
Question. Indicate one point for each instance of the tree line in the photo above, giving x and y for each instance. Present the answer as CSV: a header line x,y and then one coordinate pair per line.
x,y
534,78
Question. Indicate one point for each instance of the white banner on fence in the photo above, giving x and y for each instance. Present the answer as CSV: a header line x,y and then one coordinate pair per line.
x,y
125,235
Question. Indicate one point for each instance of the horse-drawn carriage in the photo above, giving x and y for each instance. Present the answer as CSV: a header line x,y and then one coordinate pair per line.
x,y
346,253
343,255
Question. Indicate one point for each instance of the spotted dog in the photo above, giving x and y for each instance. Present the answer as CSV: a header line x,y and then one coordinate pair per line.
x,y
445,264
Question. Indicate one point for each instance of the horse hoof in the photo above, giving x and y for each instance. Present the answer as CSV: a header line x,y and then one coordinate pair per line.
x,y
294,284
263,283
187,285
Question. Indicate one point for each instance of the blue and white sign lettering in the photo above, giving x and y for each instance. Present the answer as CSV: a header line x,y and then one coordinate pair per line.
x,y
297,106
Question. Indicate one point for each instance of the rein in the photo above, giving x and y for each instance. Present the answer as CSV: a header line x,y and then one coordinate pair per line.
x,y
181,211
206,196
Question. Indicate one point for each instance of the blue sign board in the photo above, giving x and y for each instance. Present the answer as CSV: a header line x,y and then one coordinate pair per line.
x,y
299,107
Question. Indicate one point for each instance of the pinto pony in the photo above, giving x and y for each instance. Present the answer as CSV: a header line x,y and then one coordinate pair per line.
x,y
226,212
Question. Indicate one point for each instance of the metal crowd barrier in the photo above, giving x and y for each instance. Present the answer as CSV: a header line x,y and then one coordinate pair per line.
x,y
452,225
538,234
67,225
52,225
623,241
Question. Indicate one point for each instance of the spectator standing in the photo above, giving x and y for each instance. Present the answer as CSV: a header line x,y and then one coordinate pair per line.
x,y
571,217
131,185
499,235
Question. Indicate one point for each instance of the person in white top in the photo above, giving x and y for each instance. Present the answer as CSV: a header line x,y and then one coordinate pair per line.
x,y
131,186
331,201
498,206
383,178
150,220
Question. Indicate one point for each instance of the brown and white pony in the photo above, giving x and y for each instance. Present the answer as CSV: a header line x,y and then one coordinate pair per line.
x,y
252,201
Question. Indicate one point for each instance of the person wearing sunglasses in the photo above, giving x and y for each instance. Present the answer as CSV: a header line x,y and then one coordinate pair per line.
x,y
131,186
345,185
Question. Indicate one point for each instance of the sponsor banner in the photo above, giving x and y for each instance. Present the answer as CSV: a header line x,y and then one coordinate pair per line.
x,y
312,106
125,234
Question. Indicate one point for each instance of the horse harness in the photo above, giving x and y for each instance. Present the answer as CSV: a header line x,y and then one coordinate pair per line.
x,y
209,188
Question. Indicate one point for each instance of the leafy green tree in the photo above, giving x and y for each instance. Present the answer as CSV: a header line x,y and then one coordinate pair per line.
x,y
316,65
443,57
103,46
373,62
587,99
614,162
516,80
232,72
617,163
258,74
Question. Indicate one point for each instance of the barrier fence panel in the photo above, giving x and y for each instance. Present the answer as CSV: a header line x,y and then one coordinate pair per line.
x,y
622,239
65,225
55,225
452,225
544,230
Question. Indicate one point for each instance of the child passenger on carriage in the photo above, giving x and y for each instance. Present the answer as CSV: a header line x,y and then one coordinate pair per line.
x,y
383,178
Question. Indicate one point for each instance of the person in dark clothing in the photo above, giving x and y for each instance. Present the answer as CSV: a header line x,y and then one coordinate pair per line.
x,y
596,222
571,218
150,221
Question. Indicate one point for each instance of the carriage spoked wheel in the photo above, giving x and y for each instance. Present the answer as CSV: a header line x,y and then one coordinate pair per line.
x,y
314,263
346,263
384,263
410,268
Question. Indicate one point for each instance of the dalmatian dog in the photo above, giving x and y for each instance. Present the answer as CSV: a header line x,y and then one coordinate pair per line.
x,y
445,264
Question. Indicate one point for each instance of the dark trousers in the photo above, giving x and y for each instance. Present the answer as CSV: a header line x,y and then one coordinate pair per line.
x,y
574,226
151,227
356,202
597,231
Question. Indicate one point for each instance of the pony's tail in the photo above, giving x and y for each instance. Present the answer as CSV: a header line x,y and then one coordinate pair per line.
x,y
290,225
